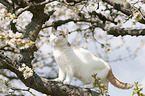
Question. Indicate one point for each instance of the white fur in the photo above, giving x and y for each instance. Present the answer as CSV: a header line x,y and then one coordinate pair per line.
x,y
77,62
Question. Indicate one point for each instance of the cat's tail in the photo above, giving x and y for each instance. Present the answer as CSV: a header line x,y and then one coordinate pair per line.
x,y
117,83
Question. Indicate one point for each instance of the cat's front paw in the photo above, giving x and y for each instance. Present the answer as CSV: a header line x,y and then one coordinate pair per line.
x,y
58,79
66,82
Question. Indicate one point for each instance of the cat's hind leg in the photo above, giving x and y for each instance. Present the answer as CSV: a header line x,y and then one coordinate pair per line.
x,y
96,87
89,85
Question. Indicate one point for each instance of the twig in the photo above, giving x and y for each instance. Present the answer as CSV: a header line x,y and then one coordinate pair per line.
x,y
7,48
28,90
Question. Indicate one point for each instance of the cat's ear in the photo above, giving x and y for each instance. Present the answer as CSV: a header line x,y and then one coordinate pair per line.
x,y
66,32
52,31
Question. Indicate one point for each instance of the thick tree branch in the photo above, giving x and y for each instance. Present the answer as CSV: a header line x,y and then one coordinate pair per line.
x,y
33,28
44,85
32,31
39,17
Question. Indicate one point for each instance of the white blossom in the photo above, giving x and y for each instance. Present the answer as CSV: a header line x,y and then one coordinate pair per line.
x,y
18,35
21,69
19,41
22,47
10,34
1,35
2,15
23,41
23,65
26,45
15,40
11,42
92,6
12,16
27,72
15,20
136,17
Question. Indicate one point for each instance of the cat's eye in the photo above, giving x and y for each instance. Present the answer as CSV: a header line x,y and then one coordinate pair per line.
x,y
60,34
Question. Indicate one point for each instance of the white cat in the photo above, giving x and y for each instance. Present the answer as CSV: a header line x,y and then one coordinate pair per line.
x,y
82,64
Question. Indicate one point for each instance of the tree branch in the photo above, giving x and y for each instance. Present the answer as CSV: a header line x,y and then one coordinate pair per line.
x,y
33,28
6,48
101,17
126,8
13,27
58,23
44,85
116,31
120,5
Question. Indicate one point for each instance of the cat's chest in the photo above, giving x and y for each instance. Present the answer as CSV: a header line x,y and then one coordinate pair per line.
x,y
61,56
60,53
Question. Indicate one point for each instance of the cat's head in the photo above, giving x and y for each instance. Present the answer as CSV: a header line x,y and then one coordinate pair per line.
x,y
59,38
